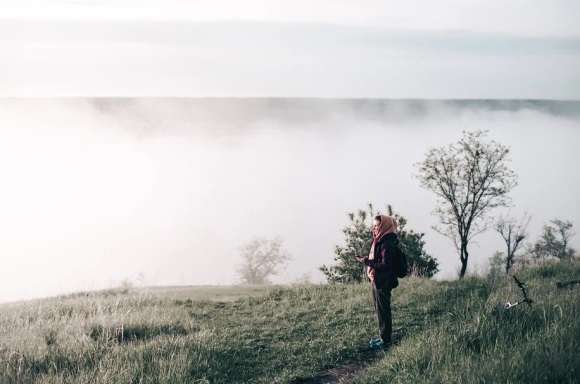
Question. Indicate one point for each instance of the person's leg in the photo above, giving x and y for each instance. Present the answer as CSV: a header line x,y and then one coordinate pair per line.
x,y
383,310
375,342
374,291
374,296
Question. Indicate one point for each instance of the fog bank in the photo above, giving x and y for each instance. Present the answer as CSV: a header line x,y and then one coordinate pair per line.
x,y
164,191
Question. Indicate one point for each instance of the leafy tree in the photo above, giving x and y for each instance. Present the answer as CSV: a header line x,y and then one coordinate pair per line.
x,y
514,234
412,243
358,238
554,241
470,178
496,262
261,259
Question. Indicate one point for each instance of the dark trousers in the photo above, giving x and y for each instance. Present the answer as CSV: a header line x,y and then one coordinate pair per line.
x,y
382,300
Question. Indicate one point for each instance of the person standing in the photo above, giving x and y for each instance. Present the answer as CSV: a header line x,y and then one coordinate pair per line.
x,y
379,270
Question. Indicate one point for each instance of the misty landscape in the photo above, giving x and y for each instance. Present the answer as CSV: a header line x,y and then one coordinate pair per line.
x,y
297,192
163,191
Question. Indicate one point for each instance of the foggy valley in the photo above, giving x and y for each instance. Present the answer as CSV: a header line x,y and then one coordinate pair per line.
x,y
163,191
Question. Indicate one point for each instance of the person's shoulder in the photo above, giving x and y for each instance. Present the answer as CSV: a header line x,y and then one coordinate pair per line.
x,y
389,238
388,241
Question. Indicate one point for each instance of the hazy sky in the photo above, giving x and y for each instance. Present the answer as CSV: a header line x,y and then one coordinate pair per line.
x,y
418,49
97,190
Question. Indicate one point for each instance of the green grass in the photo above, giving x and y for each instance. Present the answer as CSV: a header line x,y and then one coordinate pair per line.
x,y
477,341
206,292
447,331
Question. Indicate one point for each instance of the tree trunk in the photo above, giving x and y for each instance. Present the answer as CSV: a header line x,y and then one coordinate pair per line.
x,y
509,255
464,257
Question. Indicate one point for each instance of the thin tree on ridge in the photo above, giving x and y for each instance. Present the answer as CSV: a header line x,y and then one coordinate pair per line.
x,y
513,234
470,178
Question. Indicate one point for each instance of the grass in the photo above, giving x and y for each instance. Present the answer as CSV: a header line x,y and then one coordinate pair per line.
x,y
206,292
448,331
477,341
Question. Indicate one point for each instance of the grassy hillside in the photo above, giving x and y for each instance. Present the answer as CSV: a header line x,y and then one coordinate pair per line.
x,y
446,332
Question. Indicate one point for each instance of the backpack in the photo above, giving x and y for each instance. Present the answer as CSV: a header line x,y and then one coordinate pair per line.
x,y
400,265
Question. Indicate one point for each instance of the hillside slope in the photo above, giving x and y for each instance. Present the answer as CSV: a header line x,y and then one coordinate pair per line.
x,y
445,331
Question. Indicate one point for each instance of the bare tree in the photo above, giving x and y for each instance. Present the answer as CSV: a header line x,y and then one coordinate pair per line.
x,y
470,178
513,234
261,259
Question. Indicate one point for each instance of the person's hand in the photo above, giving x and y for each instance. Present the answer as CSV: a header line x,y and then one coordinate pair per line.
x,y
361,259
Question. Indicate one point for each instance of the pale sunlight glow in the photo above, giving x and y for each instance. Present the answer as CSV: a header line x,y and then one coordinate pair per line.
x,y
520,17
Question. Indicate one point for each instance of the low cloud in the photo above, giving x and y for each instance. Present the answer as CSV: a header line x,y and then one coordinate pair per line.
x,y
100,190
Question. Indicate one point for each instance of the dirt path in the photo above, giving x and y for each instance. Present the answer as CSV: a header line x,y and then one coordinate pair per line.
x,y
344,373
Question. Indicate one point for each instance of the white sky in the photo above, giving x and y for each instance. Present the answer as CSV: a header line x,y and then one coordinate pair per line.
x,y
80,183
524,17
419,49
